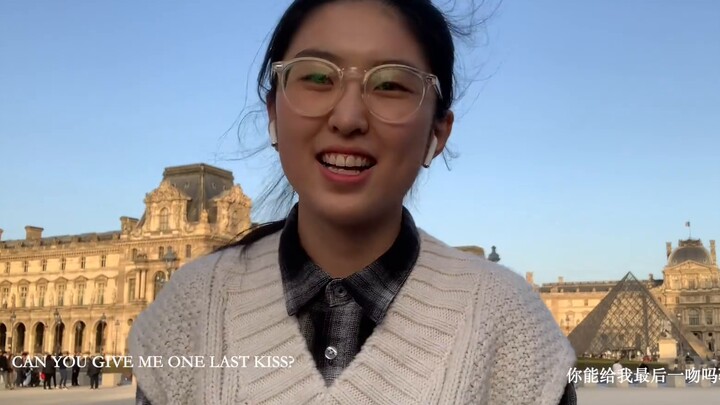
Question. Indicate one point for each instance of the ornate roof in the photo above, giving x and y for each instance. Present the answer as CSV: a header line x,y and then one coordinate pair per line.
x,y
199,184
689,250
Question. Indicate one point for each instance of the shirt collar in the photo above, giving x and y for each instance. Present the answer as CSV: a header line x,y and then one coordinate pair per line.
x,y
373,288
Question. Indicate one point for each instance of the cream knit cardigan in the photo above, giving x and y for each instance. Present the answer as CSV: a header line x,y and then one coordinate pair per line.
x,y
462,330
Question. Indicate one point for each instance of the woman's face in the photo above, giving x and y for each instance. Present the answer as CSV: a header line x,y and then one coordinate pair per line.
x,y
360,34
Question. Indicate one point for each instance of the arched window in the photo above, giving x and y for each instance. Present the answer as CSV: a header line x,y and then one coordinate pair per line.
x,y
100,336
79,332
39,337
3,335
164,219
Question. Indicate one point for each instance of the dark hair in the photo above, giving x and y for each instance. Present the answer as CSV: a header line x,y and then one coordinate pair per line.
x,y
431,29
427,23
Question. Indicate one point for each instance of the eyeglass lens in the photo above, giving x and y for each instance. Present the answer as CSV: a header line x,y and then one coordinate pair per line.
x,y
392,93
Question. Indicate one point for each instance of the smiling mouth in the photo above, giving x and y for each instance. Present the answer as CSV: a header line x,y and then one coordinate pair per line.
x,y
345,164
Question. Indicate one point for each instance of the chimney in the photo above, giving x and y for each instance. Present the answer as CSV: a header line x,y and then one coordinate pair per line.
x,y
1,231
713,255
668,249
529,278
651,277
33,233
561,280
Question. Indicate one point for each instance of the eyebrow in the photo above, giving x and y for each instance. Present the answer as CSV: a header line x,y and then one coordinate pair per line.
x,y
317,53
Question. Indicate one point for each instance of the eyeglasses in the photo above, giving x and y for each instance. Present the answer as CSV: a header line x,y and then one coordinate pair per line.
x,y
392,93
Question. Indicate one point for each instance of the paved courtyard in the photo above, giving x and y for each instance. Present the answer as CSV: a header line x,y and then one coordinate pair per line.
x,y
77,396
586,396
655,396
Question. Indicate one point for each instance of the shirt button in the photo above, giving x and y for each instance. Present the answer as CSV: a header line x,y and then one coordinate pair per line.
x,y
330,353
340,291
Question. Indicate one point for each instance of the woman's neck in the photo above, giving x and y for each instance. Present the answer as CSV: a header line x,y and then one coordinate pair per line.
x,y
344,250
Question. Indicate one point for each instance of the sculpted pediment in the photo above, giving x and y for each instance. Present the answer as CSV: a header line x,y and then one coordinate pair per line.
x,y
166,192
234,196
233,210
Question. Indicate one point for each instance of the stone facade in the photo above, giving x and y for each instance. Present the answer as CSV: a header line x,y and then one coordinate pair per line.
x,y
81,293
689,290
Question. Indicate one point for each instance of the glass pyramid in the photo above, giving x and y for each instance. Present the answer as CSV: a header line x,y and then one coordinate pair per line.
x,y
630,319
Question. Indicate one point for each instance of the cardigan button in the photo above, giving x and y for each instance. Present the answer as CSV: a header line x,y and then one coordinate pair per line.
x,y
331,352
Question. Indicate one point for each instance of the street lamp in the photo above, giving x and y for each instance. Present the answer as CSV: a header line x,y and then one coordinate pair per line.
x,y
170,261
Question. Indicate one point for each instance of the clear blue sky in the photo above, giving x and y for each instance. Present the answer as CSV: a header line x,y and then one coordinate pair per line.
x,y
591,139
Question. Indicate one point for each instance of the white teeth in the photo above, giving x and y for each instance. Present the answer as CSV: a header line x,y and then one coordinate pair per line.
x,y
347,172
341,160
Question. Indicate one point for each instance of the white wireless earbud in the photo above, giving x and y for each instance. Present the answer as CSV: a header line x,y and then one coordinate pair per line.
x,y
431,152
273,134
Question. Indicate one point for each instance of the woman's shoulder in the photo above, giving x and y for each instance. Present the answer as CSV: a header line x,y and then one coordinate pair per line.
x,y
500,293
454,261
186,297
209,271
520,331
181,317
176,308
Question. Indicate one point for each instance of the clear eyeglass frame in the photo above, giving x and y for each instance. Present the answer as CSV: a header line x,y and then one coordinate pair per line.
x,y
429,80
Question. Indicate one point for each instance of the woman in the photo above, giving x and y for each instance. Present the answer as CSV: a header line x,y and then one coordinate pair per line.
x,y
49,370
366,307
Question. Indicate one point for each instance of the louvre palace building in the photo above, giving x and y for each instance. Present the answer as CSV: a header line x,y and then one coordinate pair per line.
x,y
81,293
684,303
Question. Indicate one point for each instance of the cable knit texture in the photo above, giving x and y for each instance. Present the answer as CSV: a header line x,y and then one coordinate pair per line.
x,y
462,330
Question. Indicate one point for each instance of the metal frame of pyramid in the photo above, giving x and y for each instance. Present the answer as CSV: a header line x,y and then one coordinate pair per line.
x,y
629,318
